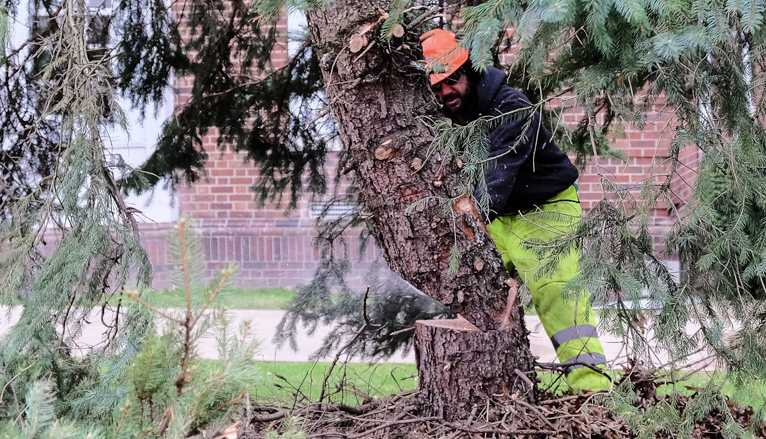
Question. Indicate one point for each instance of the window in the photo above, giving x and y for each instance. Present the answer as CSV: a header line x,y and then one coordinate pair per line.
x,y
333,210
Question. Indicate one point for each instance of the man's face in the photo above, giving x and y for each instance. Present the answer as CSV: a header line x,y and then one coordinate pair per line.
x,y
453,92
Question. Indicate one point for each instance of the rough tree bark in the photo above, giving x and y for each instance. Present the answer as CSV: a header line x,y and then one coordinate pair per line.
x,y
377,96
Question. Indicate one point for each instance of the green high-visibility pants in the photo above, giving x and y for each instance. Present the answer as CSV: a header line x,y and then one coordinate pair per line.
x,y
568,321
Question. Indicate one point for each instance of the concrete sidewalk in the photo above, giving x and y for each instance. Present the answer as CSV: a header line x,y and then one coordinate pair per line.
x,y
265,323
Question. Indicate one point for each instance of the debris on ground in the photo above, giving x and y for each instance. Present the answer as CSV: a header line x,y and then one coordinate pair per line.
x,y
401,416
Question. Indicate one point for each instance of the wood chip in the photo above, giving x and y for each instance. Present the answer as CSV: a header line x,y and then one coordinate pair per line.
x,y
398,30
230,432
363,29
385,153
357,43
456,324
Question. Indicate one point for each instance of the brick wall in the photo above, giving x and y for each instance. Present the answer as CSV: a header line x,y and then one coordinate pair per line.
x,y
648,161
270,247
274,249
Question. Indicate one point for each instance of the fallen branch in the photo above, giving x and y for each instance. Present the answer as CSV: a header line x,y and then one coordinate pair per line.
x,y
353,410
350,342
567,398
524,378
536,411
269,416
391,424
467,429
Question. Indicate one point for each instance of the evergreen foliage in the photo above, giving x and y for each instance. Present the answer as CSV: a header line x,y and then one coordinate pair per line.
x,y
380,321
383,318
77,203
59,186
274,119
166,391
269,117
146,383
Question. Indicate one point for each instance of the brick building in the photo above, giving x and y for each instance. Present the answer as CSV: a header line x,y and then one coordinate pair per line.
x,y
275,249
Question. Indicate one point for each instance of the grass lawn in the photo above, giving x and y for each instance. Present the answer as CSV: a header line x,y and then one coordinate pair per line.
x,y
750,396
282,380
235,298
349,383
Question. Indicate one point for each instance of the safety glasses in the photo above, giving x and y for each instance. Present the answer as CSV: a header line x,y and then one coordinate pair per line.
x,y
449,80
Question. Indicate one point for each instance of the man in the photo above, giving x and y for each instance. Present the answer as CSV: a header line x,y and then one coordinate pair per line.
x,y
530,184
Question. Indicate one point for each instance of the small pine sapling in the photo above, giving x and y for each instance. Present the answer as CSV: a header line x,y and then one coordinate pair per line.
x,y
172,391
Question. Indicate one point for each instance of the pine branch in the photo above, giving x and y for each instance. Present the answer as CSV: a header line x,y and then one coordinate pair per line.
x,y
350,342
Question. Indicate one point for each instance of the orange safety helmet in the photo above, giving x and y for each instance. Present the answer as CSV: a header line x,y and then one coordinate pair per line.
x,y
441,46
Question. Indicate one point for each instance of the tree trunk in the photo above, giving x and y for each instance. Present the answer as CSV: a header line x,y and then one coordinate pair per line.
x,y
457,366
378,96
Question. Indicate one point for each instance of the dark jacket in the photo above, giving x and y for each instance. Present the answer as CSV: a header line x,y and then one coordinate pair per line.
x,y
536,169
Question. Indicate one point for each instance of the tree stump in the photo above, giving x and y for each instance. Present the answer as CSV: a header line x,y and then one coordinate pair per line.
x,y
460,367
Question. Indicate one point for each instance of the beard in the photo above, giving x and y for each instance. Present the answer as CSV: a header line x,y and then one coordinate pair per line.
x,y
460,107
454,103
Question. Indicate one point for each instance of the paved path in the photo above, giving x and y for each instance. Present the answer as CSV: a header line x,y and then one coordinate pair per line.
x,y
265,324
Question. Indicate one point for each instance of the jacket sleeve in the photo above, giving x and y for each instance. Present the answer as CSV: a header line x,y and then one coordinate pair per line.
x,y
511,143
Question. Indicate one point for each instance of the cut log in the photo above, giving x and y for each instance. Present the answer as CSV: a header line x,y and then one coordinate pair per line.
x,y
398,30
460,367
357,43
